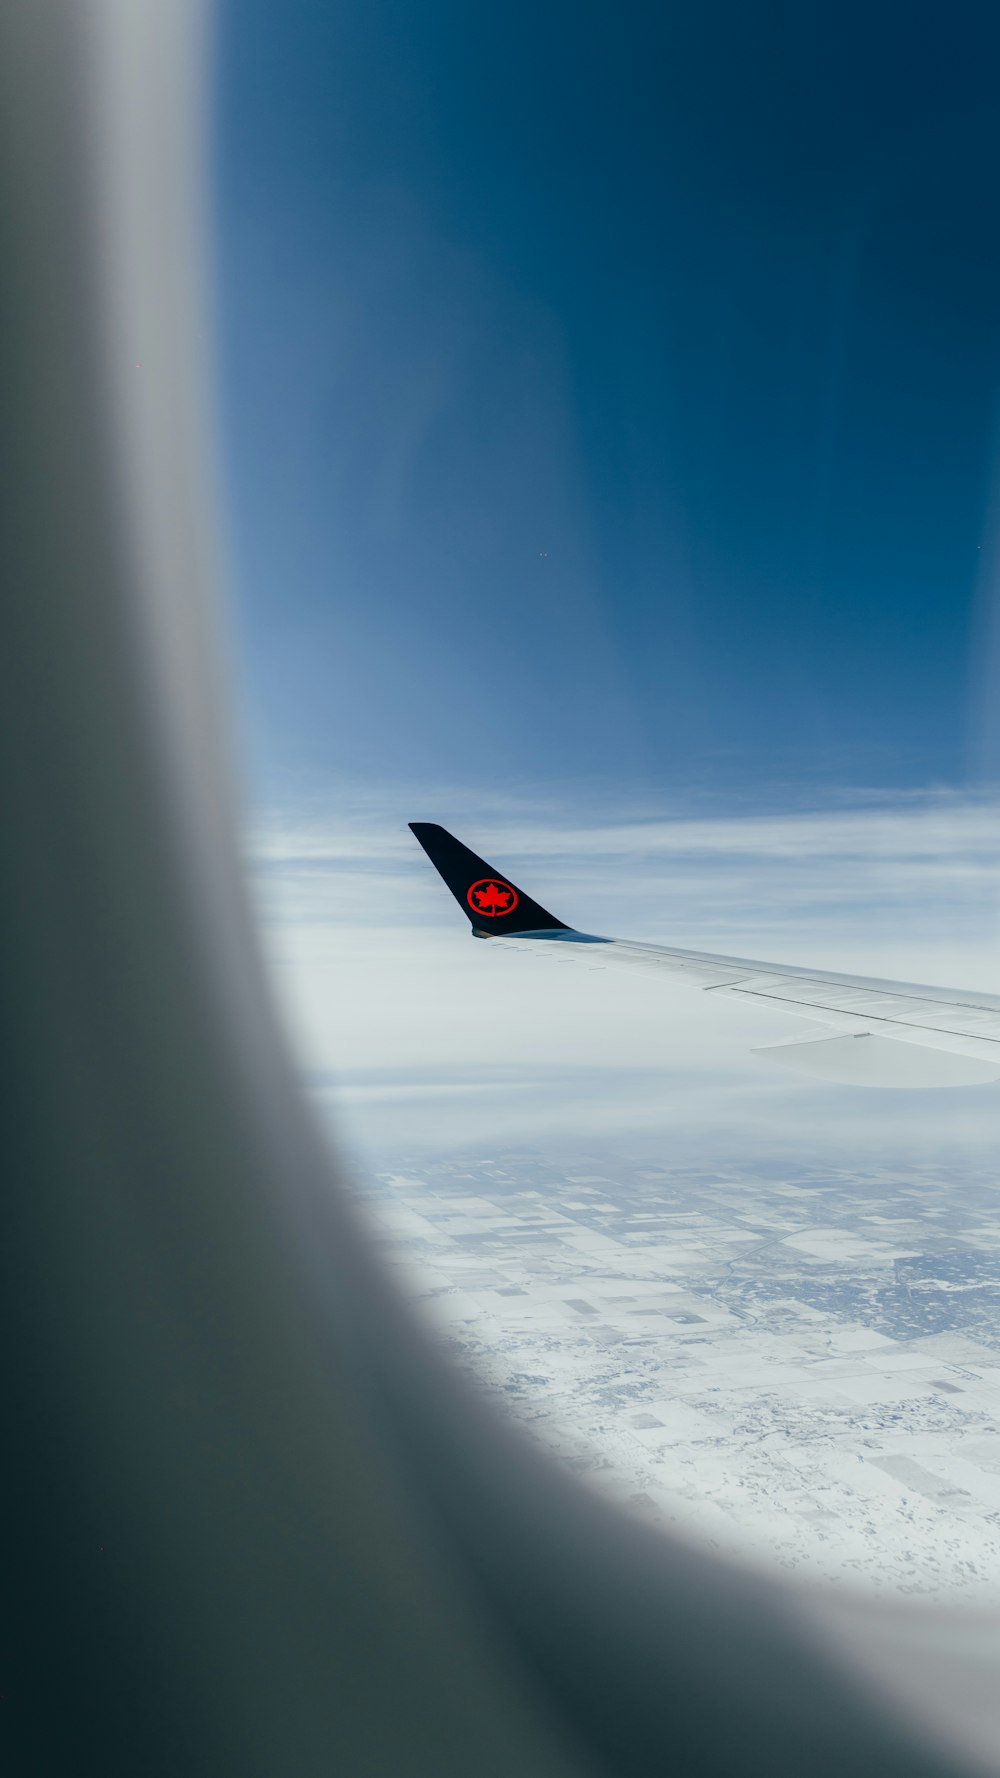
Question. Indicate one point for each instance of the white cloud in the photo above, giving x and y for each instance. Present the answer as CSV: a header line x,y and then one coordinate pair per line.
x,y
382,988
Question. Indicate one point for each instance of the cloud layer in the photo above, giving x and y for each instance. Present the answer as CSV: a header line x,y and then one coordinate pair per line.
x,y
450,1041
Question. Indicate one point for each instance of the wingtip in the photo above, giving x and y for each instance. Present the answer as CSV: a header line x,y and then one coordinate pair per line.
x,y
508,908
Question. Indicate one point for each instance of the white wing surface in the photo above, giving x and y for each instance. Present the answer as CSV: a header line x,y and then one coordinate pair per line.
x,y
879,1033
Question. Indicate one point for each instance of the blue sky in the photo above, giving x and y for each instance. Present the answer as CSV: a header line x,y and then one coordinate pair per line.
x,y
608,394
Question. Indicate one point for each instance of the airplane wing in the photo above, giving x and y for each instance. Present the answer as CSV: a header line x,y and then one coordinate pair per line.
x,y
878,1033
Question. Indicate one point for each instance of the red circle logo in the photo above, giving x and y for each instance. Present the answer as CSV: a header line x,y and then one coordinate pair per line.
x,y
492,896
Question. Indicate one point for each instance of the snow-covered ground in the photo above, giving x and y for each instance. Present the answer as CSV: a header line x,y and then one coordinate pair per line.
x,y
802,1365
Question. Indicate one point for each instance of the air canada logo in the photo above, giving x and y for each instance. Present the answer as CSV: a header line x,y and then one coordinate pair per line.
x,y
491,896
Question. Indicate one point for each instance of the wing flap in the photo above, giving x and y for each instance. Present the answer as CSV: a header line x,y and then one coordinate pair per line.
x,y
864,1059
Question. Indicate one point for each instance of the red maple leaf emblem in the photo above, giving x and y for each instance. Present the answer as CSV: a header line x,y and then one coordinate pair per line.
x,y
491,897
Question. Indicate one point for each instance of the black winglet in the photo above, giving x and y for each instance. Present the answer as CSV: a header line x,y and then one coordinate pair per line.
x,y
488,898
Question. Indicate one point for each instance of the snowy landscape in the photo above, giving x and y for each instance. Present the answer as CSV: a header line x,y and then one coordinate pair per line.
x,y
801,1365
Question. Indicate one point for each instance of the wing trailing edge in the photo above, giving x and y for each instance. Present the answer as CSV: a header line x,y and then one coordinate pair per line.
x,y
863,1059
